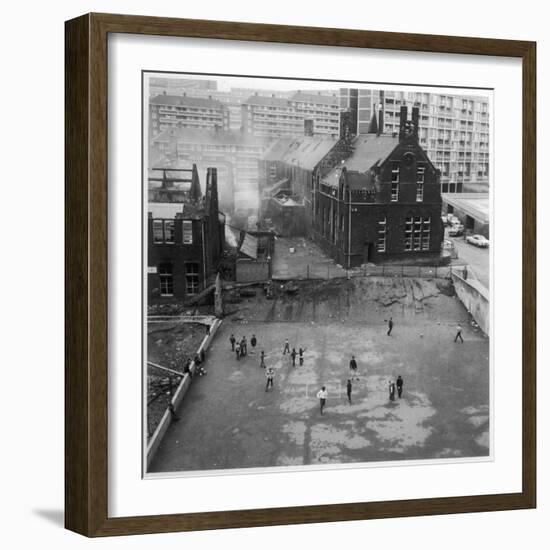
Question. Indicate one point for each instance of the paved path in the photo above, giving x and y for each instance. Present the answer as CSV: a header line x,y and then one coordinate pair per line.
x,y
476,258
229,421
307,261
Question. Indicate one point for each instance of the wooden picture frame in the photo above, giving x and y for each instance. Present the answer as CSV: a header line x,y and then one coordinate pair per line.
x,y
86,416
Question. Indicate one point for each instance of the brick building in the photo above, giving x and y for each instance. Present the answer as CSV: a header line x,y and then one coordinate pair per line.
x,y
453,129
287,172
173,184
383,202
184,244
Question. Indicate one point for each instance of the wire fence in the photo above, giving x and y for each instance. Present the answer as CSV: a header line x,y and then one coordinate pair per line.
x,y
337,272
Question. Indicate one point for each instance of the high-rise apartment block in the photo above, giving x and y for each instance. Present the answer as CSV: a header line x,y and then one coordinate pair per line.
x,y
168,111
453,129
303,113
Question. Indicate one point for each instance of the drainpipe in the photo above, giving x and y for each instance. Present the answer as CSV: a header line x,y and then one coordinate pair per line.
x,y
203,257
349,231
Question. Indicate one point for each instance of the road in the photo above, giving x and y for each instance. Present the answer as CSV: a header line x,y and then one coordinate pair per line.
x,y
476,258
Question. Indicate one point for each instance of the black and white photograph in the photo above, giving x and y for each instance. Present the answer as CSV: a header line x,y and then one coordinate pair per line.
x,y
316,273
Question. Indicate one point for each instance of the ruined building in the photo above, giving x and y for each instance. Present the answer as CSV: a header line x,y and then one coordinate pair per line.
x,y
184,241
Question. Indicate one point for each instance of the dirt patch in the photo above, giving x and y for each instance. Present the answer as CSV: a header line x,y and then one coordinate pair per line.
x,y
359,299
169,345
445,286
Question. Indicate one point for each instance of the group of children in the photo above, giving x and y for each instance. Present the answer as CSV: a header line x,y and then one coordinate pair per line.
x,y
294,353
322,394
240,348
397,384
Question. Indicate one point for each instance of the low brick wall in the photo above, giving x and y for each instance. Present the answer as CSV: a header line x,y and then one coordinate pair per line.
x,y
475,299
248,271
180,392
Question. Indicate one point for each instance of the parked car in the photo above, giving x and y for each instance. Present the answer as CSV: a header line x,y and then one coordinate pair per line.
x,y
452,219
456,230
478,240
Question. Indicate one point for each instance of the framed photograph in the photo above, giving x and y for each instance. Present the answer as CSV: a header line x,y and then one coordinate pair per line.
x,y
300,275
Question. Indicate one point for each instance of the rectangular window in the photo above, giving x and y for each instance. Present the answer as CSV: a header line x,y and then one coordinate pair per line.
x,y
417,231
191,278
408,234
417,234
394,181
166,280
420,183
158,235
395,172
381,242
425,239
187,231
169,231
394,191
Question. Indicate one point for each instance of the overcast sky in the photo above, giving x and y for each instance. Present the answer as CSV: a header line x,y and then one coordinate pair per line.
x,y
225,83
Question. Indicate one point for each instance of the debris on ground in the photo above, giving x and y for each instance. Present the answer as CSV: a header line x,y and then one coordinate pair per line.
x,y
247,292
179,342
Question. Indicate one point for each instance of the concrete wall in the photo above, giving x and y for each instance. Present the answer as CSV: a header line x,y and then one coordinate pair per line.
x,y
180,392
248,271
475,299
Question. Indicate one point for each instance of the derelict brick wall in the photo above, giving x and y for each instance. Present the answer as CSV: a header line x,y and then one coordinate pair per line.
x,y
250,271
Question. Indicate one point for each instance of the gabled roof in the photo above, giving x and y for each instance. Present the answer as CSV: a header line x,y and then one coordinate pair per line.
x,y
369,149
185,101
359,180
305,152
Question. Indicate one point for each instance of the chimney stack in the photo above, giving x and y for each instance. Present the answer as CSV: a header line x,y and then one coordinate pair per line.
x,y
403,123
415,119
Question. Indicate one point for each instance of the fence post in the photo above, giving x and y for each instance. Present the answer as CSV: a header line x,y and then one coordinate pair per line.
x,y
307,271
328,271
